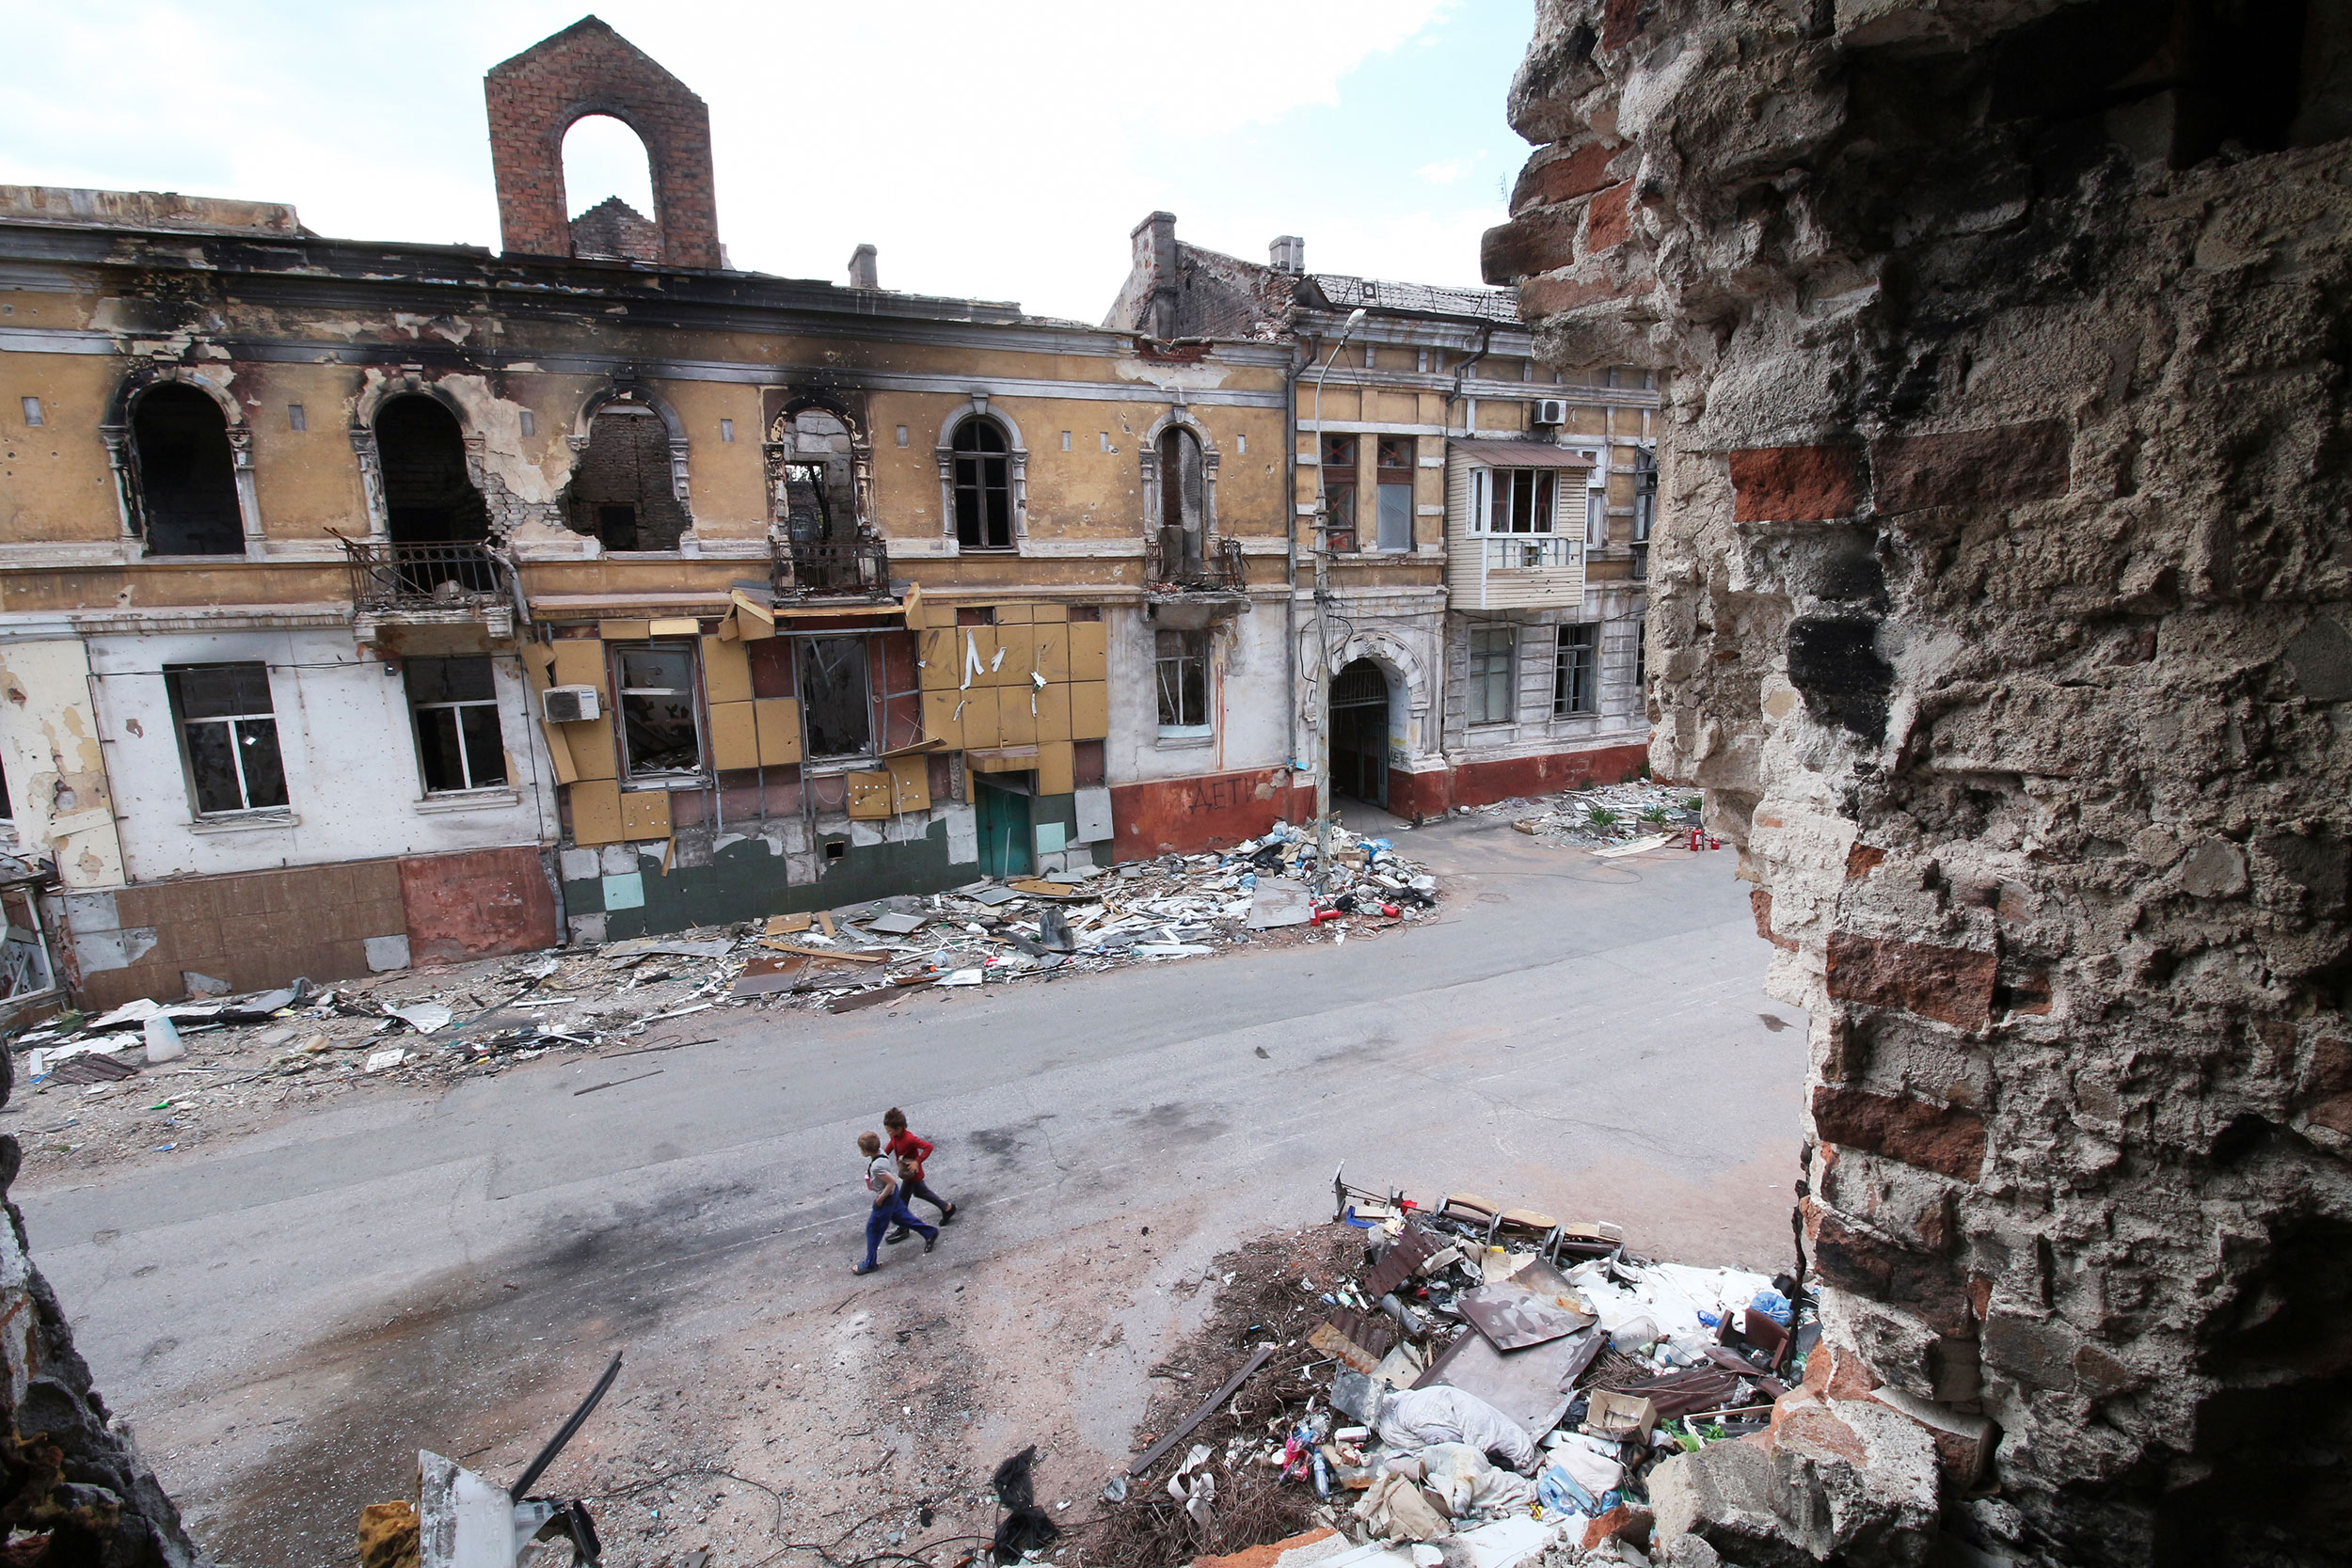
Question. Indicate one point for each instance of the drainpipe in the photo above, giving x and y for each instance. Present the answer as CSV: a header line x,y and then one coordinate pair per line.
x,y
1461,376
1290,530
1322,627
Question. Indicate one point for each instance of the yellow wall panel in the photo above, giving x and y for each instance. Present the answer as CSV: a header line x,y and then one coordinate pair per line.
x,y
1089,710
646,814
726,671
1057,769
942,652
1016,721
778,719
734,735
580,662
597,813
1089,651
940,721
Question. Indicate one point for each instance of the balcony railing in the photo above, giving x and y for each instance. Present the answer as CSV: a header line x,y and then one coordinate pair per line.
x,y
1219,570
446,574
1521,551
832,569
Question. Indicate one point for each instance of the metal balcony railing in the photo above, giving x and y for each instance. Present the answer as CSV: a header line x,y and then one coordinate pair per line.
x,y
1219,570
1521,552
445,574
832,569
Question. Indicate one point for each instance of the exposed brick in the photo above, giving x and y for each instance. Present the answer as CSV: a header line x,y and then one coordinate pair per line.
x,y
1849,1258
1862,859
1947,1139
1784,484
2005,464
1608,219
1556,295
1540,240
1952,985
1563,178
1760,905
1622,20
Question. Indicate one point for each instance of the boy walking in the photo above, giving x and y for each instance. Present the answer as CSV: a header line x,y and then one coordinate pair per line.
x,y
910,1151
882,1181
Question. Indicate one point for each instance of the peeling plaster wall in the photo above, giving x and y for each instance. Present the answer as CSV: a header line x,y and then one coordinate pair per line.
x,y
1247,697
57,764
2002,598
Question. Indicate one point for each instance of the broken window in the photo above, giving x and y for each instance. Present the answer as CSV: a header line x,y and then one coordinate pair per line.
x,y
1596,517
659,733
228,734
817,498
429,497
1576,678
1392,461
1339,492
1492,651
836,704
622,489
1516,501
1645,495
187,477
1184,492
453,703
983,483
1181,659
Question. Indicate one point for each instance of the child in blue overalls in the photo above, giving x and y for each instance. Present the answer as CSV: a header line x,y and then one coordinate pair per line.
x,y
889,1207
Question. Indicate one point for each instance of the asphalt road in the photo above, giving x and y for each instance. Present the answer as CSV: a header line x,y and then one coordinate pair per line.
x,y
285,1317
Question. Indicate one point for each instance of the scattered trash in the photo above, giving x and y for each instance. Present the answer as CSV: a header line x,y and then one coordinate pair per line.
x,y
1612,820
1025,1528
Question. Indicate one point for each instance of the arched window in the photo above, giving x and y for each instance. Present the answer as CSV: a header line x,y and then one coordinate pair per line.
x,y
813,458
601,154
1183,497
984,485
429,497
188,476
623,490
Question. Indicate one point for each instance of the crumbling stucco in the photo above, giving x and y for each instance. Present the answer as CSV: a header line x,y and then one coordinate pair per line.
x,y
2000,603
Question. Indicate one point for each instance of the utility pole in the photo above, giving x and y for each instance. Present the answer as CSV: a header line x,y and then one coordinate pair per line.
x,y
1323,625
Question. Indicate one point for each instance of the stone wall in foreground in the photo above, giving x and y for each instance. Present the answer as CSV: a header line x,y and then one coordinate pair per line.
x,y
2000,604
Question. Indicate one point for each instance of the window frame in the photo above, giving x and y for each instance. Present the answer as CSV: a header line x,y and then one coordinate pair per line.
x,y
504,783
1498,492
1479,673
1393,485
978,487
1339,495
174,676
1577,676
1206,659
616,653
812,758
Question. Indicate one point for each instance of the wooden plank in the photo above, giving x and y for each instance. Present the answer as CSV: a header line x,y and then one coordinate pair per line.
x,y
808,952
1184,1429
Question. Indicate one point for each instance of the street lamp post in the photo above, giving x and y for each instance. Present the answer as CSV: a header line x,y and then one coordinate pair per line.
x,y
1323,625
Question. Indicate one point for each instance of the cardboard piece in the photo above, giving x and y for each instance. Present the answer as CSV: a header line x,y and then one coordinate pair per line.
x,y
1090,709
1055,768
646,814
726,671
778,722
624,631
734,735
597,813
1622,1417
753,620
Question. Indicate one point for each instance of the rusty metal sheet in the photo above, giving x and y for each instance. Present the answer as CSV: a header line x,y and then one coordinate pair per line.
x,y
765,976
1354,1338
1532,1386
1406,1254
1514,1318
1700,1389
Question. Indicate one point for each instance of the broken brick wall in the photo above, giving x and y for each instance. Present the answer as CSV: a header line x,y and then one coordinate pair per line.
x,y
2001,604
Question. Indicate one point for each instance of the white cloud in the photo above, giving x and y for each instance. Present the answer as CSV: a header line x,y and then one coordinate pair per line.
x,y
1443,172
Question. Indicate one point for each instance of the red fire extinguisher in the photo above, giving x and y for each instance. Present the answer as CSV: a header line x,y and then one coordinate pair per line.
x,y
1694,839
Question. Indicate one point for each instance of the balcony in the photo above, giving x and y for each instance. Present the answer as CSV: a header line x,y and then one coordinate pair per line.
x,y
1529,553
1218,571
1514,571
832,569
447,581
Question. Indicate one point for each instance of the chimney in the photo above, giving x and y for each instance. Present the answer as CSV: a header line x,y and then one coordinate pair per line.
x,y
1288,253
861,273
1155,252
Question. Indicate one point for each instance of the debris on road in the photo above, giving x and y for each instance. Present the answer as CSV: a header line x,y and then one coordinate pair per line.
x,y
1610,817
1460,1380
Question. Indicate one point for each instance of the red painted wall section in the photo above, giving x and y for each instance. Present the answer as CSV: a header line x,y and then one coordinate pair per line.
x,y
476,905
1189,815
1482,783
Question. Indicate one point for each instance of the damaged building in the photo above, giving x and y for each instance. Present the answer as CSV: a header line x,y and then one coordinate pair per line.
x,y
2002,612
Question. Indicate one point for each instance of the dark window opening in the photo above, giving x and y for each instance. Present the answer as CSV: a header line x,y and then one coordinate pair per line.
x,y
836,704
1182,663
453,703
429,497
622,488
983,486
1576,678
1392,463
1520,501
1086,613
658,728
1339,492
836,848
228,734
7,801
187,477
1183,497
817,498
975,615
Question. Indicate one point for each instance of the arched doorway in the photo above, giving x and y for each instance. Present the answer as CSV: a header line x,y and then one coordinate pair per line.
x,y
1360,733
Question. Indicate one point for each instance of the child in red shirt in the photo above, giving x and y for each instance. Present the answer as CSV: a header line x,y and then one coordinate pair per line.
x,y
910,1151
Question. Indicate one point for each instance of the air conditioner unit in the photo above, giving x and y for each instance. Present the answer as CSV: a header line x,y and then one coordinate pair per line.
x,y
1551,411
569,704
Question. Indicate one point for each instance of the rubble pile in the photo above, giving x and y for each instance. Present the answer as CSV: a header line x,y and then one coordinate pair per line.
x,y
155,1078
1479,1375
1609,816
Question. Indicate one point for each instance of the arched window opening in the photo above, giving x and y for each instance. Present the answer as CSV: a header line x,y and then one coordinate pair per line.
x,y
623,491
983,483
429,497
1183,497
608,181
818,500
188,476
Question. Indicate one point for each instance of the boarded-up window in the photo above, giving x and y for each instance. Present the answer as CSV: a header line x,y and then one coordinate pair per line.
x,y
229,737
836,701
187,477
